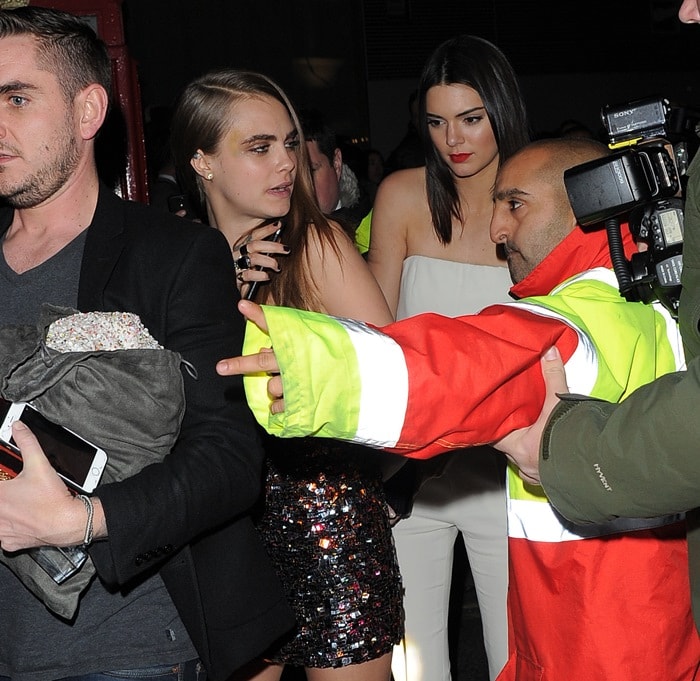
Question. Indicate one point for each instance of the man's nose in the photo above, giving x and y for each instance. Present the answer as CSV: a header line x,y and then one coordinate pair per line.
x,y
499,229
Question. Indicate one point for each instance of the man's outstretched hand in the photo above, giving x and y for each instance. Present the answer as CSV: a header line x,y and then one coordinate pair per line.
x,y
263,361
522,446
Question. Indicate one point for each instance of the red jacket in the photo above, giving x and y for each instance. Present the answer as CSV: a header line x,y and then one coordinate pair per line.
x,y
607,603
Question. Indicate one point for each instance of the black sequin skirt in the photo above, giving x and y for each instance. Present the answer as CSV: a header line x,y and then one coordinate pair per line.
x,y
328,535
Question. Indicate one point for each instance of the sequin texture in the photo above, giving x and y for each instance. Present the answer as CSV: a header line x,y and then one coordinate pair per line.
x,y
328,535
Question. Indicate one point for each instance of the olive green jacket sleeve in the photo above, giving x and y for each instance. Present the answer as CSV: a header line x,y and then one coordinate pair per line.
x,y
640,458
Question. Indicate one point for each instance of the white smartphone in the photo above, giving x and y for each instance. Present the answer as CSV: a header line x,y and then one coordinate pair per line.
x,y
77,461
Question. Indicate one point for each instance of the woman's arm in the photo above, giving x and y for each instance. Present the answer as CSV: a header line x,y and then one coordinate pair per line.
x,y
345,284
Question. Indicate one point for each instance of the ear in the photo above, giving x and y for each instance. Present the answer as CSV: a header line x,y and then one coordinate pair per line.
x,y
338,162
92,106
200,163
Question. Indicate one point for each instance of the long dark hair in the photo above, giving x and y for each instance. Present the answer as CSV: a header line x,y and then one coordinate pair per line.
x,y
200,121
473,61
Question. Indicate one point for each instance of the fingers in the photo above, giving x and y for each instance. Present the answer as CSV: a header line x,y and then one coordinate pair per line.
x,y
277,406
256,270
263,361
522,446
253,313
554,374
37,507
26,441
275,388
250,364
253,266
33,456
265,231
255,254
533,479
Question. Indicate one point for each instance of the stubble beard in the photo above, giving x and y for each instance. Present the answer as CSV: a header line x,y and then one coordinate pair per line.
x,y
47,180
517,266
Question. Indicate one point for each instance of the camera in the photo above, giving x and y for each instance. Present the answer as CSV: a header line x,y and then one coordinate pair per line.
x,y
642,180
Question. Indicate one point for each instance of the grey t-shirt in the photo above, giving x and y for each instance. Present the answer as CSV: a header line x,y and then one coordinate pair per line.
x,y
112,630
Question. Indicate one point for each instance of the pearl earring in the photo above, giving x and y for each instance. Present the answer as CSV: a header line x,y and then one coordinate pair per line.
x,y
210,176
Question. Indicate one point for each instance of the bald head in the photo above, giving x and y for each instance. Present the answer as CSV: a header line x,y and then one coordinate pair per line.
x,y
547,159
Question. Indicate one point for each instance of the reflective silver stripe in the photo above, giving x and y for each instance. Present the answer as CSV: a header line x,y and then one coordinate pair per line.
x,y
383,397
538,521
582,366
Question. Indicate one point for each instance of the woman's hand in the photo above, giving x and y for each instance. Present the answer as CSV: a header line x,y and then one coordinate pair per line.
x,y
256,255
264,360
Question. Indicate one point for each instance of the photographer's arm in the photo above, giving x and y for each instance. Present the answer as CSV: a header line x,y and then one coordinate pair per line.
x,y
634,459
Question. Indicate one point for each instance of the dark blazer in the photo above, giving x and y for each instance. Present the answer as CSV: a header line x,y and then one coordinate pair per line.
x,y
187,517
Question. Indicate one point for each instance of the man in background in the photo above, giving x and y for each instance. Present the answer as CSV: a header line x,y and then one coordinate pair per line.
x,y
337,189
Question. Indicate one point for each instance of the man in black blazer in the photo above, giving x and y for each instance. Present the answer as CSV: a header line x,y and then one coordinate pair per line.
x,y
182,576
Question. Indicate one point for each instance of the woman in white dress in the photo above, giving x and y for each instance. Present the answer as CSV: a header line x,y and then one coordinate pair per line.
x,y
430,251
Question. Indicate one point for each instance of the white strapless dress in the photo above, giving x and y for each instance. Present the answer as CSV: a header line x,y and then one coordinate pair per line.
x,y
464,493
449,288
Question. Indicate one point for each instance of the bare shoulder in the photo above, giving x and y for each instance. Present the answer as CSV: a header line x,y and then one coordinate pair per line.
x,y
407,186
336,247
344,282
401,203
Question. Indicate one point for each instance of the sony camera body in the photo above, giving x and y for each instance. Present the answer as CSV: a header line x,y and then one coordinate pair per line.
x,y
641,180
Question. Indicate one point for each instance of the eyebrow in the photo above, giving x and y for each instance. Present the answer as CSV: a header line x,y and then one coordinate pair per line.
x,y
505,194
268,138
16,86
259,138
463,113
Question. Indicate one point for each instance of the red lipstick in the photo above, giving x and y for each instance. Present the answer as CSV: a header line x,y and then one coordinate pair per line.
x,y
459,158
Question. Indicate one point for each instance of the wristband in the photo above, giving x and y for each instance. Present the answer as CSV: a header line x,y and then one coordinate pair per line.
x,y
87,539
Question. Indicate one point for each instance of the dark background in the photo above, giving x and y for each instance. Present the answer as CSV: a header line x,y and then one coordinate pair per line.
x,y
358,60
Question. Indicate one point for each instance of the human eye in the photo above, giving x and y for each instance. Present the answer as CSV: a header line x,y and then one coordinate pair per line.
x,y
292,143
434,122
514,204
473,119
260,149
18,100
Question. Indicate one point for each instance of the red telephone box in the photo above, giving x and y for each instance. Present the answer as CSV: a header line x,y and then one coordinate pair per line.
x,y
124,150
